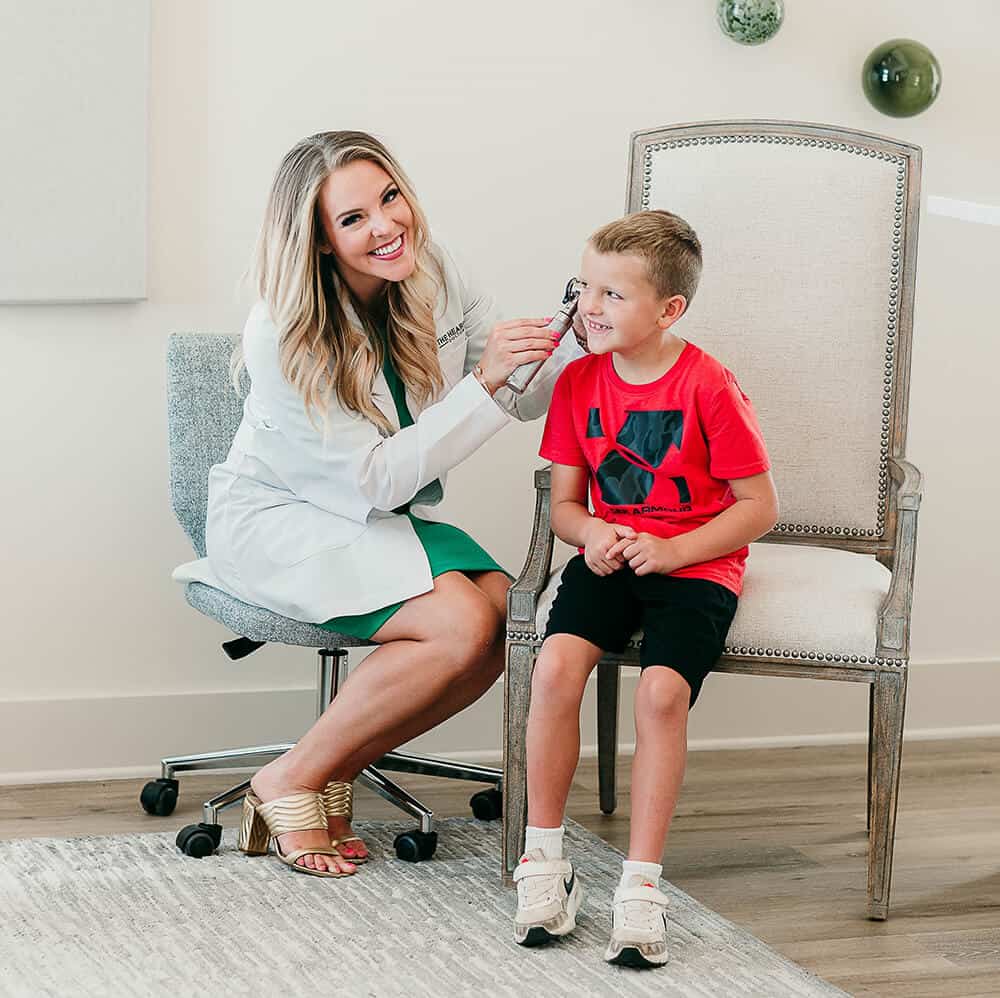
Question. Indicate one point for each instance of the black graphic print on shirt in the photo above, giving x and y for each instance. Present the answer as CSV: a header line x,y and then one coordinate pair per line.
x,y
594,428
626,474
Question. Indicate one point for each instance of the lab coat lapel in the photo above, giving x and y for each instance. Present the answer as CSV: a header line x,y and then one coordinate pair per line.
x,y
381,395
383,399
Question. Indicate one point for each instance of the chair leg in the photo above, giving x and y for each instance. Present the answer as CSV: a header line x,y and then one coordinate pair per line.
x,y
608,686
332,671
871,753
244,758
889,703
425,765
397,796
234,795
516,700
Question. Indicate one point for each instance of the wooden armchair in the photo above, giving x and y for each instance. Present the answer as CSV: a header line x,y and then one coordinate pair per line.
x,y
810,239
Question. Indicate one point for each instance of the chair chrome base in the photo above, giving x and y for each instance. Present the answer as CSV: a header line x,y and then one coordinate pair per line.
x,y
332,672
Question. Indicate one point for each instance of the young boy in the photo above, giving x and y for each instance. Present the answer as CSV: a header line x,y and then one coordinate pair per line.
x,y
679,478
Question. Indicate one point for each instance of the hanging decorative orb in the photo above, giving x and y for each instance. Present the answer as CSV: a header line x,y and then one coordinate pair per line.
x,y
901,78
750,22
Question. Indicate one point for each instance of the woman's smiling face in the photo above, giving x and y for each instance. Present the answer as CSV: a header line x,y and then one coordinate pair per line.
x,y
368,226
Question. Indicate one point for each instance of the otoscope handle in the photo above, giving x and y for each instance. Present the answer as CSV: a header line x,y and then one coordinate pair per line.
x,y
522,376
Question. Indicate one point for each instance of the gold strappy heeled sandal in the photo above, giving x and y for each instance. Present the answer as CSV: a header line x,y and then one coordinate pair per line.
x,y
338,802
295,813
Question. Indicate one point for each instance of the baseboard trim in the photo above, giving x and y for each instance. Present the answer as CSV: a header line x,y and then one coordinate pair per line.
x,y
125,736
493,759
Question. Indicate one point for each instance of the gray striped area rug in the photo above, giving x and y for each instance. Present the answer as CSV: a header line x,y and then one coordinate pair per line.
x,y
128,915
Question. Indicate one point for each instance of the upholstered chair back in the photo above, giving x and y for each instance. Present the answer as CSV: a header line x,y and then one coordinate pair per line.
x,y
809,237
203,413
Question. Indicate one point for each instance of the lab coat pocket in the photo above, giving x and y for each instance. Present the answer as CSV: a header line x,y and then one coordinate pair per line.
x,y
268,538
307,530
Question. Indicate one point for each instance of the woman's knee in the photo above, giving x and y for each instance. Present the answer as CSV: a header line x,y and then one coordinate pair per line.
x,y
471,630
662,695
495,585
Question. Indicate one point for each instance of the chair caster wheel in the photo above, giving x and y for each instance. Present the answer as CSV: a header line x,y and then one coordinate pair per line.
x,y
199,840
159,797
416,845
487,805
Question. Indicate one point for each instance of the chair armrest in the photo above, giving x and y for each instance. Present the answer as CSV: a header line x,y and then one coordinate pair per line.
x,y
894,614
522,598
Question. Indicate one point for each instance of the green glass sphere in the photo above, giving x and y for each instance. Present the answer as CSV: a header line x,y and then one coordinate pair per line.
x,y
750,22
901,78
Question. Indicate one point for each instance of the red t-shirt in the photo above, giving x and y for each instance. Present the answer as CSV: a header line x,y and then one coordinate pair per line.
x,y
660,454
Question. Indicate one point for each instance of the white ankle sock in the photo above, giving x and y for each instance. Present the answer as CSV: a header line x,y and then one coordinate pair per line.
x,y
549,840
636,868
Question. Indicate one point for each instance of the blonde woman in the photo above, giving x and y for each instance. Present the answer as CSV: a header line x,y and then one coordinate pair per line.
x,y
375,367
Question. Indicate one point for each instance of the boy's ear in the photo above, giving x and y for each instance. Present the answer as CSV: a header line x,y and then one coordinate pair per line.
x,y
673,308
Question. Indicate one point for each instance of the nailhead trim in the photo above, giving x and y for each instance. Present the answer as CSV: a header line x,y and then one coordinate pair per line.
x,y
745,651
888,381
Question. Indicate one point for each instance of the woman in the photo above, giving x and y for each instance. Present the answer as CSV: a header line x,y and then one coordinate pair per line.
x,y
375,367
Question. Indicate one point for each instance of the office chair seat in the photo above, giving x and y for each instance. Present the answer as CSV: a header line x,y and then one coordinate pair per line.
x,y
260,625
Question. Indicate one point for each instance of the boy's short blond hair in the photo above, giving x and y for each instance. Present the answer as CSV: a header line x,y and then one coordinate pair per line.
x,y
665,241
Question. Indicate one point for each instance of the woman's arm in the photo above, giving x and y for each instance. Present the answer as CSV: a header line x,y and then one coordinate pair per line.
x,y
481,316
345,465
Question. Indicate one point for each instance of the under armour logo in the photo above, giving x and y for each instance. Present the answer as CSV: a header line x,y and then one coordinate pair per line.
x,y
626,474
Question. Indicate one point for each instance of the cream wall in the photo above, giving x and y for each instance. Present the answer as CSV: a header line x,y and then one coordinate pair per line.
x,y
513,121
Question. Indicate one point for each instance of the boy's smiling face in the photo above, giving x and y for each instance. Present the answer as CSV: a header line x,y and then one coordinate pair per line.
x,y
618,305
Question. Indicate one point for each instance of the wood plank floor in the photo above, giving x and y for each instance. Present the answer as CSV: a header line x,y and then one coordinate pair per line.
x,y
772,839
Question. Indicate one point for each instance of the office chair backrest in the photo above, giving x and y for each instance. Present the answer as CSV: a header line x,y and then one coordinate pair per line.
x,y
809,237
203,412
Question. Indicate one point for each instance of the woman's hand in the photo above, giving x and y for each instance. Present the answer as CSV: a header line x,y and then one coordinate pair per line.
x,y
513,343
599,543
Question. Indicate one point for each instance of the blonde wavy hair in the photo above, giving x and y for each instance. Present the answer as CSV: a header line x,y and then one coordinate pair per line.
x,y
321,352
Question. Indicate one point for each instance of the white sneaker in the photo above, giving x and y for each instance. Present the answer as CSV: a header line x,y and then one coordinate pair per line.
x,y
638,926
548,898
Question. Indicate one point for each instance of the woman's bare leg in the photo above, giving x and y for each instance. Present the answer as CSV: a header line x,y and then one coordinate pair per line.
x,y
461,694
463,691
437,654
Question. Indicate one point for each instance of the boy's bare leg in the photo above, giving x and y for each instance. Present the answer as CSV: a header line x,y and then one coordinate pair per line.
x,y
548,891
638,915
661,712
553,737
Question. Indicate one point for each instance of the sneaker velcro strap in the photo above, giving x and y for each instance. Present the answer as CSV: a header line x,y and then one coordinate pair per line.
x,y
535,869
641,894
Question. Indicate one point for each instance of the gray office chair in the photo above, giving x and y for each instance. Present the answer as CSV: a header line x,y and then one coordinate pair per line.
x,y
203,412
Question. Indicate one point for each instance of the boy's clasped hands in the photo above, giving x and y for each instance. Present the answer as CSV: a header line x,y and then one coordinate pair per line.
x,y
608,547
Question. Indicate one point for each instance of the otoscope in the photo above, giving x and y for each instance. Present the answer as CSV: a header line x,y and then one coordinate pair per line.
x,y
561,321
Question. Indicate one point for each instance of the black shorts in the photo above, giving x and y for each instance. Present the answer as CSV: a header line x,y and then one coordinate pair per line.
x,y
684,621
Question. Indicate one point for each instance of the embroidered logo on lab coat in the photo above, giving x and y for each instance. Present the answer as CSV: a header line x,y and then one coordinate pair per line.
x,y
452,334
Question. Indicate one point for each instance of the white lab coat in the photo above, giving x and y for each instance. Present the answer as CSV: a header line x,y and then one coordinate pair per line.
x,y
302,524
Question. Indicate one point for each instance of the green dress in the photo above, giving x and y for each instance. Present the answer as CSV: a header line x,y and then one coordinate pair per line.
x,y
448,549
